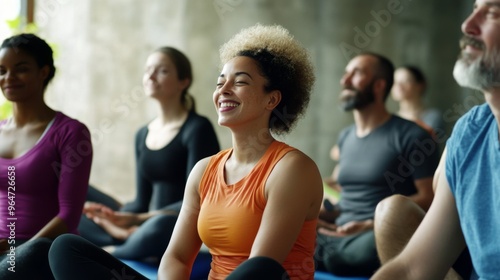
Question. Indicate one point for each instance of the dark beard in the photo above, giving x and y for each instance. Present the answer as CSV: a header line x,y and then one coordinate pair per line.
x,y
359,100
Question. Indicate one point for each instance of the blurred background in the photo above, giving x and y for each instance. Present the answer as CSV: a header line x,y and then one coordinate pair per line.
x,y
101,47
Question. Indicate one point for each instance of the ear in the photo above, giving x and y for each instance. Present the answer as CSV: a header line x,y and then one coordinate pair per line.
x,y
380,87
420,88
183,84
44,72
274,98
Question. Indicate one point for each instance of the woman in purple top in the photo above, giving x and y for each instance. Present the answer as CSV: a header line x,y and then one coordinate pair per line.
x,y
45,160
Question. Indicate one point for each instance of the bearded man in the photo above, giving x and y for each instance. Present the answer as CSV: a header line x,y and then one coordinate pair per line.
x,y
380,155
466,208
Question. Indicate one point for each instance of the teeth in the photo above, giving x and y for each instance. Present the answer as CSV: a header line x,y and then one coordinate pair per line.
x,y
227,104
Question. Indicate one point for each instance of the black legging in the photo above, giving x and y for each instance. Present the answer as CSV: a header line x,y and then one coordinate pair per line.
x,y
149,240
72,257
30,261
261,268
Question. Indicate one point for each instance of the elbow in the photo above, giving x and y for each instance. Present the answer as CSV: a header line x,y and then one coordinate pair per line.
x,y
425,201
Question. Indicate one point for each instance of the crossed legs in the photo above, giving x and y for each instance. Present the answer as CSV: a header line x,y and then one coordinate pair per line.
x,y
396,219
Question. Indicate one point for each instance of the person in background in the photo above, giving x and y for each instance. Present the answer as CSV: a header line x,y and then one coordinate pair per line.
x,y
408,90
379,155
166,150
45,160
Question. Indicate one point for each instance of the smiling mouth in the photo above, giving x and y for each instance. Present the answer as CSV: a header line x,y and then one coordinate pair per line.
x,y
224,105
11,87
468,42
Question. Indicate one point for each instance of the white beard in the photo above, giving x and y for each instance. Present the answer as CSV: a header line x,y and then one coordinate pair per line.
x,y
482,73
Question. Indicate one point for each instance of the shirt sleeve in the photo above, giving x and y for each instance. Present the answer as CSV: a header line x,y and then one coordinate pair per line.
x,y
75,149
201,141
144,187
421,153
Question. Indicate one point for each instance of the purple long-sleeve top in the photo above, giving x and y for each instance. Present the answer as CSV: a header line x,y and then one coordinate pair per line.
x,y
50,180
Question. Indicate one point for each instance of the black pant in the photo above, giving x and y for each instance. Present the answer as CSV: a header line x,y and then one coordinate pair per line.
x,y
348,256
357,256
150,240
261,268
73,257
29,261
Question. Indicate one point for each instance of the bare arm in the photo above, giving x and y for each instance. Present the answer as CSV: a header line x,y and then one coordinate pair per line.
x,y
294,194
52,229
424,194
437,242
177,261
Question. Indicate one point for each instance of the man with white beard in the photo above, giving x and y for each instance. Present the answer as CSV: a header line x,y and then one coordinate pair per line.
x,y
466,207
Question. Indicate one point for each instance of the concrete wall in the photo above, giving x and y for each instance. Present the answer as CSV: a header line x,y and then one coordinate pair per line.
x,y
102,45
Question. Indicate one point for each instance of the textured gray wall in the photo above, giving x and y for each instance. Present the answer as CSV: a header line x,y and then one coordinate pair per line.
x,y
102,46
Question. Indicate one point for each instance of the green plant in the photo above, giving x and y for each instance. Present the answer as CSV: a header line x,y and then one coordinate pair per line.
x,y
5,109
18,25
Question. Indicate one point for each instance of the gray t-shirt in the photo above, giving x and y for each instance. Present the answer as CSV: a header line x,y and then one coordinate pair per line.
x,y
385,162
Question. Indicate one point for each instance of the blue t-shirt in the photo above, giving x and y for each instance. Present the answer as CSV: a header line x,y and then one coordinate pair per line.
x,y
473,172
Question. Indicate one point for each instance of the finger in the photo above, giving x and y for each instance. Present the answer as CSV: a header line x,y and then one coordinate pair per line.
x,y
329,232
321,223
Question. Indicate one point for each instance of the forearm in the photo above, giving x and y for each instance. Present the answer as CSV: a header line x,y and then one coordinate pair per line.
x,y
142,217
52,229
393,270
172,268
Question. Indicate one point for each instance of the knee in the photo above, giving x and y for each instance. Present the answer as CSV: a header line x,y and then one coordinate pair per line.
x,y
41,243
37,248
395,212
159,226
394,207
392,203
65,242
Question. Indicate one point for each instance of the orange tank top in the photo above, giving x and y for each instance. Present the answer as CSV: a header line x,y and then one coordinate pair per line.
x,y
230,216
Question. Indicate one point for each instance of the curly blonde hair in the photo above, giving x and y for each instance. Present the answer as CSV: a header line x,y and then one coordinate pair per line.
x,y
283,62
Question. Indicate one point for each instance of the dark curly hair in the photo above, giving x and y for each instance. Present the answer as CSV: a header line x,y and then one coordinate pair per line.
x,y
36,48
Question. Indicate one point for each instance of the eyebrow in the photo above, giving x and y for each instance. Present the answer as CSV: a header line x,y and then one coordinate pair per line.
x,y
157,65
19,63
238,74
22,62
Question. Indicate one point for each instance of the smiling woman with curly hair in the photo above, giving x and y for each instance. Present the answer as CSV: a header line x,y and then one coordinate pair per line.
x,y
284,63
255,205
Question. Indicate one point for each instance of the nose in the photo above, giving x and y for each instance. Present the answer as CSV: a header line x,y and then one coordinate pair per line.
x,y
225,88
346,79
149,74
471,24
8,75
